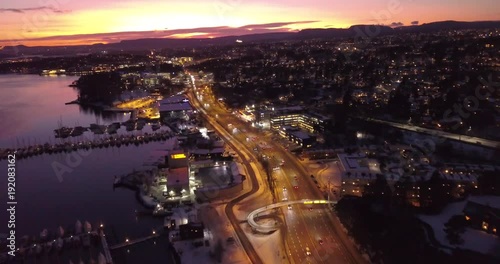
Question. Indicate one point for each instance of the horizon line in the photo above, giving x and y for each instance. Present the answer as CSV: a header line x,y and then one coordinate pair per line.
x,y
202,36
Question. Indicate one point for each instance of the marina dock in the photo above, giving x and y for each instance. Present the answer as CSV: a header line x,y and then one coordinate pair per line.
x,y
108,141
133,242
105,248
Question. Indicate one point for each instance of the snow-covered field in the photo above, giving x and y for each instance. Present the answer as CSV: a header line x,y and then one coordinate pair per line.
x,y
268,247
474,240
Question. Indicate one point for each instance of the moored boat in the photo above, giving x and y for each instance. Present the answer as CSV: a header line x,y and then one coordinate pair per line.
x,y
78,227
44,234
101,259
59,244
61,231
87,227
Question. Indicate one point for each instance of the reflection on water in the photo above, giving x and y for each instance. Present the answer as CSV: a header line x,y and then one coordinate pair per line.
x,y
106,116
30,109
33,106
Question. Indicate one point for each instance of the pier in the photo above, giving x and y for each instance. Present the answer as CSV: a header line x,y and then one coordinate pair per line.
x,y
133,242
105,248
66,147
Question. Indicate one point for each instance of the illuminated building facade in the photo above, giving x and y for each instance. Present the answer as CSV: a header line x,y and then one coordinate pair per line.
x,y
297,136
483,212
275,118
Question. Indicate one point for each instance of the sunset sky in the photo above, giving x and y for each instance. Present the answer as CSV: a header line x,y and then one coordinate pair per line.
x,y
72,22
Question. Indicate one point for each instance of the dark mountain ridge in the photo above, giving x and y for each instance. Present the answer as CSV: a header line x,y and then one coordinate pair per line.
x,y
355,31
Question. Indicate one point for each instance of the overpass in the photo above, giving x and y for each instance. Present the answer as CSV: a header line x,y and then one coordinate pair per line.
x,y
266,229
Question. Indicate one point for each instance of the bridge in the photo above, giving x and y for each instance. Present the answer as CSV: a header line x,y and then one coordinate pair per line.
x,y
265,228
132,242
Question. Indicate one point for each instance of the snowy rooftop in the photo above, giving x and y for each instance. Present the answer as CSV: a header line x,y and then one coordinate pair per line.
x,y
207,151
237,169
351,161
178,176
300,134
175,107
174,99
490,200
474,240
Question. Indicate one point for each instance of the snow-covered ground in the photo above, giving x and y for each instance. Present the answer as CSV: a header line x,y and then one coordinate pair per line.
x,y
474,240
217,228
327,173
269,247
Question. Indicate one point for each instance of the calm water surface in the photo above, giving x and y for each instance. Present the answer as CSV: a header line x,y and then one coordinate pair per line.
x,y
33,106
30,109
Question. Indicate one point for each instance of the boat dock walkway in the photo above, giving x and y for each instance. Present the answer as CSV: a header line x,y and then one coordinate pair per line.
x,y
105,247
132,242
66,147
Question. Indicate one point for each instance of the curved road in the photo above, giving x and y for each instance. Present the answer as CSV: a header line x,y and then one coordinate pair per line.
x,y
303,229
267,229
252,254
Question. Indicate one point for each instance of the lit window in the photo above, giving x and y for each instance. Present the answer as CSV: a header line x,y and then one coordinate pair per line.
x,y
485,225
467,218
178,156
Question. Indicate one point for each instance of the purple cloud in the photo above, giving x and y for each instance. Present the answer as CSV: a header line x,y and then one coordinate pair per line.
x,y
27,9
396,24
203,32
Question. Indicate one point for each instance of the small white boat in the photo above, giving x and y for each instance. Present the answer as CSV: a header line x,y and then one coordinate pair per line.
x,y
44,234
101,259
59,243
76,240
49,245
68,240
78,227
61,231
31,251
38,249
87,227
86,240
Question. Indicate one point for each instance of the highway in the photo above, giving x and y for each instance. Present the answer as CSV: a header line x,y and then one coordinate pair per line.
x,y
443,134
247,245
312,236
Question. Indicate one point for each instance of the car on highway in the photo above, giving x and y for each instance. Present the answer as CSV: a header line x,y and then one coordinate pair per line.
x,y
320,241
308,251
289,207
284,188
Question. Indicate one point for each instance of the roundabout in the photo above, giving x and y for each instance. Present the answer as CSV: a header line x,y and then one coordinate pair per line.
x,y
266,228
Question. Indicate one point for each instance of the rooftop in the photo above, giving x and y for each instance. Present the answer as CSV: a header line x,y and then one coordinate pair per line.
x,y
178,176
174,99
175,107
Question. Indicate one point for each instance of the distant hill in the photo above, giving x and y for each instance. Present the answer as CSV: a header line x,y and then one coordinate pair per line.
x,y
159,43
